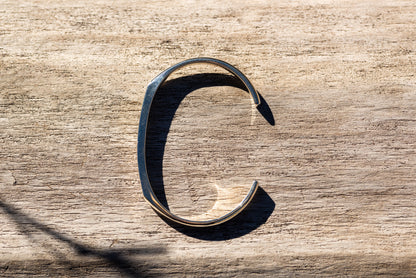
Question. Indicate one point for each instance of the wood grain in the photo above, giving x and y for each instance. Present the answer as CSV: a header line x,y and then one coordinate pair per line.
x,y
333,146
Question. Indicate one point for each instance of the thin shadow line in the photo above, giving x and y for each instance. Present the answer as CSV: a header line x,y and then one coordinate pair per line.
x,y
116,258
164,106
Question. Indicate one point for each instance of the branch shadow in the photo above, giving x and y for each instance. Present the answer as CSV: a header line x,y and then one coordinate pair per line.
x,y
115,258
164,107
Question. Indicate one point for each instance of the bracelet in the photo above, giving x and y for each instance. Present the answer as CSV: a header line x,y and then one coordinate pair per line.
x,y
148,193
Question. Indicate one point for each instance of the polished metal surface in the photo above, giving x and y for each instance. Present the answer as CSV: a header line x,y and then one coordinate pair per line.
x,y
141,144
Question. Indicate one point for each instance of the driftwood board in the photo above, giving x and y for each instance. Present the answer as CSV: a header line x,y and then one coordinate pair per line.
x,y
332,146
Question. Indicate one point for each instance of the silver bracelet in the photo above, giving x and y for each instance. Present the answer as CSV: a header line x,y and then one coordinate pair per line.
x,y
148,193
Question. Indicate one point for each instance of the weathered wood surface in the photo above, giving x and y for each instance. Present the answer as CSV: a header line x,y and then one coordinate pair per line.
x,y
334,155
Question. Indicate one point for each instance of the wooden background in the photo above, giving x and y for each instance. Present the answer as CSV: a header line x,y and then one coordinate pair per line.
x,y
332,146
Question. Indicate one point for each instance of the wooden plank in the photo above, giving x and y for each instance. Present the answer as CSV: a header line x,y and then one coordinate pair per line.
x,y
332,146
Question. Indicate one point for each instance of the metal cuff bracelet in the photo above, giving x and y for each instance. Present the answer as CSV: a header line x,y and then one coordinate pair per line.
x,y
141,144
